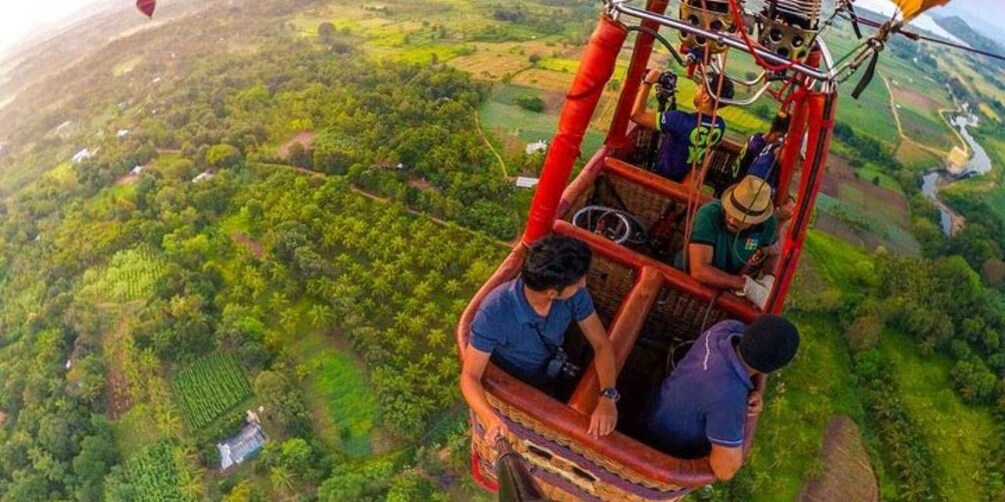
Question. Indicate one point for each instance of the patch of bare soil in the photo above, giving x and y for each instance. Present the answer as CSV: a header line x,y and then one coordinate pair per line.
x,y
848,474
252,245
130,178
422,184
916,100
303,138
118,397
553,101
840,171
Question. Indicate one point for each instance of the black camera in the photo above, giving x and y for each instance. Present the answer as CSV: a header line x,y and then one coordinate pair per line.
x,y
666,86
560,364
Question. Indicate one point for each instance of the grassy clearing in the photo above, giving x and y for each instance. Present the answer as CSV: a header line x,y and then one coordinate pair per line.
x,y
134,431
836,259
511,121
928,130
915,158
338,393
870,114
957,434
872,171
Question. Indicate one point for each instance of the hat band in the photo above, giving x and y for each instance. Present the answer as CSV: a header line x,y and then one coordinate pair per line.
x,y
743,208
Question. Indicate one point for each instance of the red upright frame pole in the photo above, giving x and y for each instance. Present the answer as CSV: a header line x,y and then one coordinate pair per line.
x,y
595,70
617,135
794,136
820,109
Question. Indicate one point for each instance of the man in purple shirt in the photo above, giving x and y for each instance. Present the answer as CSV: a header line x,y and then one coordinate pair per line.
x,y
702,406
686,139
760,156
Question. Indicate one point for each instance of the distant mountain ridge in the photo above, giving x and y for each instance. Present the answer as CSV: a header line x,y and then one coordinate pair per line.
x,y
977,20
962,30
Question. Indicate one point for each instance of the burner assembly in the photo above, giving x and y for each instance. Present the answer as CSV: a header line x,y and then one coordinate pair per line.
x,y
714,17
788,27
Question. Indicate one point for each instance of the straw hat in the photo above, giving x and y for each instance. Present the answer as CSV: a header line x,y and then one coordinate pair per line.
x,y
749,200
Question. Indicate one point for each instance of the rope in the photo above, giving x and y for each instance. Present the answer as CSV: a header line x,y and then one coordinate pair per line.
x,y
740,27
697,181
917,36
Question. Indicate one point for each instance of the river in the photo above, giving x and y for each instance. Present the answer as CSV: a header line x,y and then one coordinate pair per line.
x,y
978,164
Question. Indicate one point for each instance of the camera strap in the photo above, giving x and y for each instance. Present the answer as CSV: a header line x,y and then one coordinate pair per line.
x,y
552,348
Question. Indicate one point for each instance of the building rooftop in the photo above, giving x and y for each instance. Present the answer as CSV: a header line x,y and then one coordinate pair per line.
x,y
242,445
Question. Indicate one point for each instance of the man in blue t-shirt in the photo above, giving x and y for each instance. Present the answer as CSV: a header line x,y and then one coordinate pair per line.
x,y
521,324
686,140
702,406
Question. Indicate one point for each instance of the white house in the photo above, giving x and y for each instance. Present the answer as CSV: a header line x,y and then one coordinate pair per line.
x,y
81,156
524,182
208,175
64,127
242,445
538,146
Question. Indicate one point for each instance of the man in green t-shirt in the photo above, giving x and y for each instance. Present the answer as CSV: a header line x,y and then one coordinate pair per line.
x,y
731,240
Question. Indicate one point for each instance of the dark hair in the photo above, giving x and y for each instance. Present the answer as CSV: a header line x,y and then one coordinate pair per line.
x,y
769,343
726,92
780,124
555,262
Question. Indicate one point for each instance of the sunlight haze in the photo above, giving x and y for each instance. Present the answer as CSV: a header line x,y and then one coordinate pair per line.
x,y
19,20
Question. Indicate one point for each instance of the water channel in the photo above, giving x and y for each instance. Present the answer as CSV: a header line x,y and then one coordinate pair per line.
x,y
978,164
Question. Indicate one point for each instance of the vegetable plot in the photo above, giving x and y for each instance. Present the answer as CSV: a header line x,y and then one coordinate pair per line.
x,y
209,387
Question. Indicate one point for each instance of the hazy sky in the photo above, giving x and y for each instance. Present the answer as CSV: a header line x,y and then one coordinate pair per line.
x,y
18,18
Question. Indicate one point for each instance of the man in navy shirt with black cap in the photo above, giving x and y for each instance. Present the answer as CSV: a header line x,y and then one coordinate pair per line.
x,y
702,406
687,137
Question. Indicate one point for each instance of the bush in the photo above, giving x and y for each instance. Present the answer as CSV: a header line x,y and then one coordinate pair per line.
x,y
530,103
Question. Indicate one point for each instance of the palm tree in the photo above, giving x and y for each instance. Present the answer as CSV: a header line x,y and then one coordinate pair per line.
x,y
320,316
436,338
190,483
288,319
168,422
281,479
277,301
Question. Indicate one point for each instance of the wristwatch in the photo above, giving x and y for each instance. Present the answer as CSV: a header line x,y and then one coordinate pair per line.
x,y
610,393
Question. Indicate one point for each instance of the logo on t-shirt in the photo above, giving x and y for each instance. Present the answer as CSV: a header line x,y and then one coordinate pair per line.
x,y
751,243
702,138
